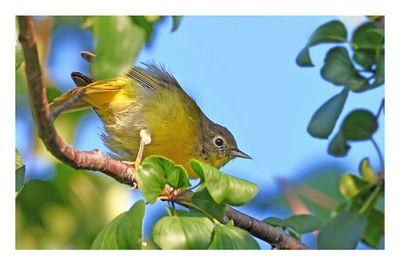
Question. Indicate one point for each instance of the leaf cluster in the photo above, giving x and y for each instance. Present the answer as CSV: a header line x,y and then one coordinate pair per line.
x,y
201,226
361,216
356,69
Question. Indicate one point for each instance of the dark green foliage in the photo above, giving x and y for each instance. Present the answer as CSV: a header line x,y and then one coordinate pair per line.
x,y
357,69
324,119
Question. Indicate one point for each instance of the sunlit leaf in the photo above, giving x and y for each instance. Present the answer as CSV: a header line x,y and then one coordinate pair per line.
x,y
343,232
374,232
359,125
183,230
178,177
118,42
324,119
19,173
350,185
124,232
367,172
339,70
157,171
222,187
151,180
230,237
333,31
107,238
129,230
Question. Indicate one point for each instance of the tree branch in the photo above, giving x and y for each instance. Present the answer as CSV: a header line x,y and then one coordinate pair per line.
x,y
92,160
273,235
96,160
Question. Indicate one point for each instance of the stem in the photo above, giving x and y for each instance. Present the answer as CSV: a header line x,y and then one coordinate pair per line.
x,y
379,153
370,199
381,108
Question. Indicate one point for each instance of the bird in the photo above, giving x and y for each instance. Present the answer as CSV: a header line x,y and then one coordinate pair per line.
x,y
146,112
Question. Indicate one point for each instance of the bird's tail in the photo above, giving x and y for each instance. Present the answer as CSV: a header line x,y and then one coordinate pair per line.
x,y
72,104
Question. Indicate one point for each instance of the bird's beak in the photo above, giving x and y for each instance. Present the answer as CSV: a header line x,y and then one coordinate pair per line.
x,y
237,153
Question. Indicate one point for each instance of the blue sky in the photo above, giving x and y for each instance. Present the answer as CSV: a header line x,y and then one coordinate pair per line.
x,y
242,73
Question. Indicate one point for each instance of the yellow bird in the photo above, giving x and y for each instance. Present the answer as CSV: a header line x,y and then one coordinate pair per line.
x,y
148,113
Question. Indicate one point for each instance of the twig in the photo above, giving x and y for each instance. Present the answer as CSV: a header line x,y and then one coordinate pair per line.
x,y
97,161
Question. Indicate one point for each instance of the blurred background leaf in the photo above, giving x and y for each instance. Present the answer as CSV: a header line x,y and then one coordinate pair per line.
x,y
66,211
19,173
114,58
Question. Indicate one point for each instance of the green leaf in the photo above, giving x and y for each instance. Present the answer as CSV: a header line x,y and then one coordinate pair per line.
x,y
183,231
176,21
368,36
19,55
359,125
343,232
129,230
374,232
178,177
302,223
222,187
367,171
203,199
303,58
380,203
365,58
324,119
150,180
338,146
275,221
333,31
157,171
231,237
19,173
107,238
351,185
339,70
124,232
118,42
146,24
379,72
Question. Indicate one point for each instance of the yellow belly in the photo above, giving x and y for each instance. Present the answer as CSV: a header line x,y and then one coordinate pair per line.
x,y
173,123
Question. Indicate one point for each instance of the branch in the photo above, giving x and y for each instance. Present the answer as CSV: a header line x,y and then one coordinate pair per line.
x,y
92,160
96,160
275,236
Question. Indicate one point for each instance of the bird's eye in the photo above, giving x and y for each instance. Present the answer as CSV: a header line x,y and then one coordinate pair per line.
x,y
218,141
